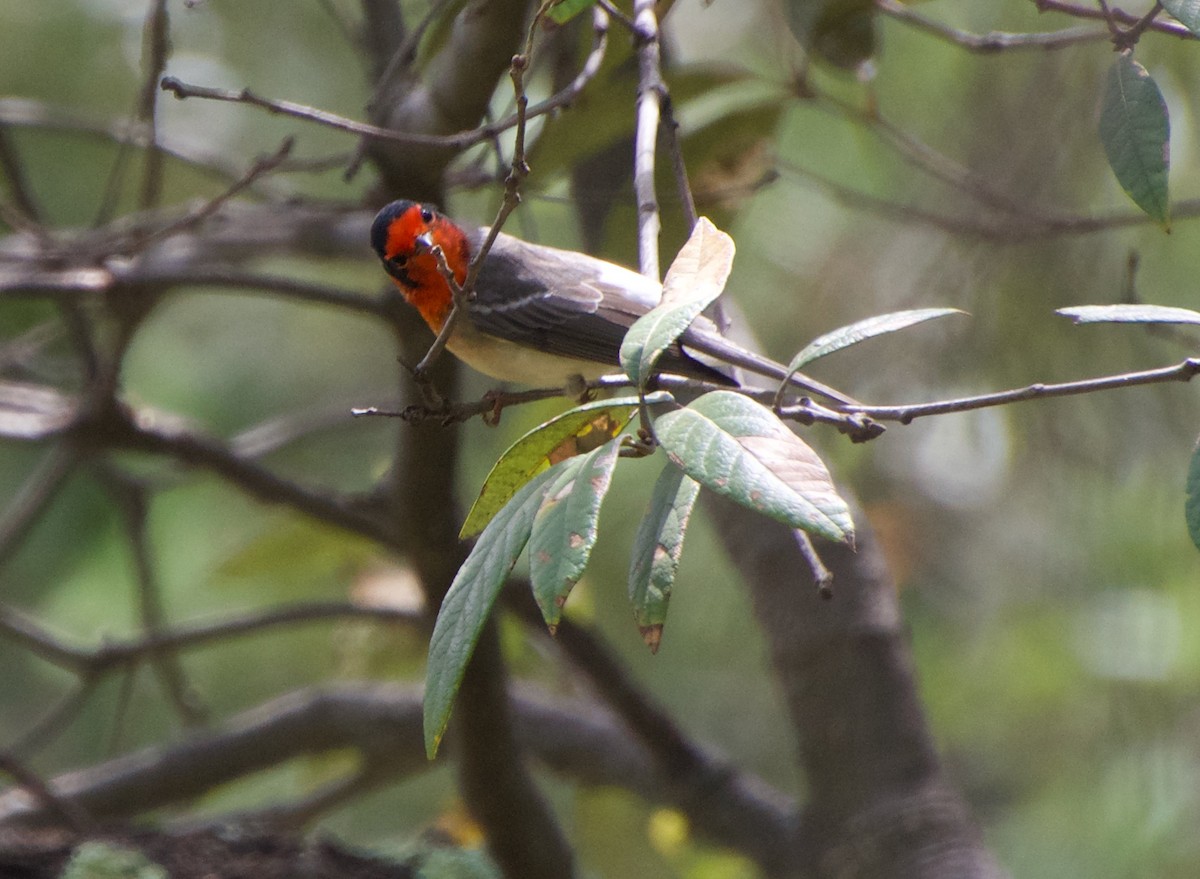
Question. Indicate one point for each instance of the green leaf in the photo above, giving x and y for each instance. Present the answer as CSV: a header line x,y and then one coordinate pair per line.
x,y
1136,130
470,598
564,530
1186,12
1191,505
102,860
600,117
694,280
575,432
656,550
564,10
1146,314
738,448
844,337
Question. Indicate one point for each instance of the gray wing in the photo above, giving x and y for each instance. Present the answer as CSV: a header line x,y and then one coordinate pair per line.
x,y
566,304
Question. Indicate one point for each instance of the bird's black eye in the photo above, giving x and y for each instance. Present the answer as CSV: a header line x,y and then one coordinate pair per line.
x,y
400,261
427,215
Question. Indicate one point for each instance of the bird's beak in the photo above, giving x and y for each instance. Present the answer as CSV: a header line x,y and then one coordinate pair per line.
x,y
425,241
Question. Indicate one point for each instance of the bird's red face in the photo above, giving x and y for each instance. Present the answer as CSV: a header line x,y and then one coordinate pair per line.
x,y
402,235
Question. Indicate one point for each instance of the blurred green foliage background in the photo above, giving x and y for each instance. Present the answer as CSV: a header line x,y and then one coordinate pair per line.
x,y
1040,549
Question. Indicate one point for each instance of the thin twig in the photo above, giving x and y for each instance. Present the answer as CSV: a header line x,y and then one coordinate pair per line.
x,y
822,576
18,185
201,213
460,140
1114,29
28,113
121,708
405,53
183,90
490,403
132,501
993,42
462,294
156,41
151,434
72,814
1120,16
42,732
615,12
33,497
1131,36
683,186
117,654
1030,229
32,637
19,222
909,412
73,284
649,101
937,165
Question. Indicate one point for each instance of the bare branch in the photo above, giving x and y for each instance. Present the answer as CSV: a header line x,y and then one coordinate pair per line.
x,y
905,414
183,90
1119,16
156,47
649,101
579,740
132,500
151,433
71,814
14,172
42,732
27,633
709,788
34,496
821,575
116,654
197,215
1004,231
995,41
27,113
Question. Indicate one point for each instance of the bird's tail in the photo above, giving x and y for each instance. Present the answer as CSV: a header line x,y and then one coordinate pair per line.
x,y
722,349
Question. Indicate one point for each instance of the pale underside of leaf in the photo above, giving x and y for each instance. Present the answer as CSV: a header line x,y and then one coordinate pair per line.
x,y
694,280
852,334
1127,313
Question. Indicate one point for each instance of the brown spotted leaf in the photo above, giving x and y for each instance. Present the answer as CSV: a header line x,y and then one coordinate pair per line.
x,y
564,529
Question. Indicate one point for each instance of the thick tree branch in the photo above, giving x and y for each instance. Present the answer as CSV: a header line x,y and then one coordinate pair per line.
x,y
848,685
451,95
579,741
710,789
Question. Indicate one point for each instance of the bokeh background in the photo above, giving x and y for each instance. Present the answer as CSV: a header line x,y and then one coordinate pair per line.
x,y
1040,549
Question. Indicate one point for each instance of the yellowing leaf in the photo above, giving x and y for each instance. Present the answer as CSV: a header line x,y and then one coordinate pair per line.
x,y
575,432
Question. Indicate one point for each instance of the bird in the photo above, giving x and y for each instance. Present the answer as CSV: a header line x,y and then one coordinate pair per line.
x,y
543,316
